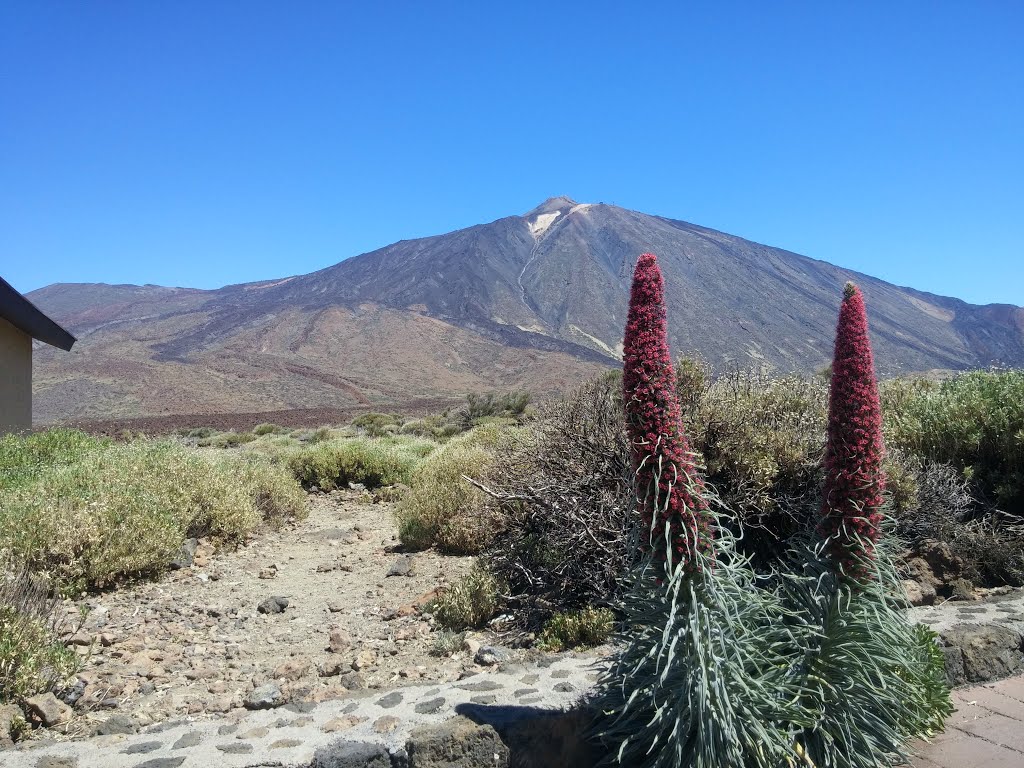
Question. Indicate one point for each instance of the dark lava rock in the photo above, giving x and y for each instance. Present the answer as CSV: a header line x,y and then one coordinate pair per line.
x,y
351,754
988,651
273,605
456,743
186,555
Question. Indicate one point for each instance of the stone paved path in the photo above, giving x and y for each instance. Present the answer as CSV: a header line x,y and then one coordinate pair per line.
x,y
288,736
986,731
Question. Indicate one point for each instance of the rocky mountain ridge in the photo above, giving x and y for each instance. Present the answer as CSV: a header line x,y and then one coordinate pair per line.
x,y
533,301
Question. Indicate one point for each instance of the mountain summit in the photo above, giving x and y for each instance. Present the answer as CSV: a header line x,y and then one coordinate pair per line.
x,y
534,301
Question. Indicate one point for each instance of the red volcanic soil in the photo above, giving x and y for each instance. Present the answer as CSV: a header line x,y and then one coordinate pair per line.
x,y
241,422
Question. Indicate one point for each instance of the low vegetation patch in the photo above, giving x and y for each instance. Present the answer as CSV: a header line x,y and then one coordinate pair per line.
x,y
468,604
443,508
374,462
32,658
95,513
577,629
973,422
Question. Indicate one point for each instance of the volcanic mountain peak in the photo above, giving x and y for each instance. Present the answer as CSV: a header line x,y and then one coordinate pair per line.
x,y
536,301
559,204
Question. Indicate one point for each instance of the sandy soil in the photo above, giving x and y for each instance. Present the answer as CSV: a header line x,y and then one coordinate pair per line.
x,y
196,642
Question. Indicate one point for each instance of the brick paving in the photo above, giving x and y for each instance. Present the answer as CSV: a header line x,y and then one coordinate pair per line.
x,y
986,731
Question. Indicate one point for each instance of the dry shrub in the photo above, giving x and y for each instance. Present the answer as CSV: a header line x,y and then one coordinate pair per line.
x,y
470,603
761,439
442,508
336,462
564,492
577,629
123,510
32,658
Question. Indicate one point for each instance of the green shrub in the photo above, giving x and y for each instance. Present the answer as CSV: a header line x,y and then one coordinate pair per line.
x,y
441,508
447,642
468,604
436,427
370,461
377,424
32,659
320,435
761,438
122,511
973,421
577,629
228,440
268,429
269,485
22,458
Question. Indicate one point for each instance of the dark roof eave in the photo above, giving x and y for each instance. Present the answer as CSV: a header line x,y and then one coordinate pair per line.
x,y
23,314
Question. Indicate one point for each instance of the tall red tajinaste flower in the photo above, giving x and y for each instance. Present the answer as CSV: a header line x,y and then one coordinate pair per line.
x,y
669,490
854,479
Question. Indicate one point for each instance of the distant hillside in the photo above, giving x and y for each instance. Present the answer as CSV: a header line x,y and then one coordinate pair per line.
x,y
535,301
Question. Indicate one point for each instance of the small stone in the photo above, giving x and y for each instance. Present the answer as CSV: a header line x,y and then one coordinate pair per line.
x,y
186,555
565,688
142,748
190,739
351,754
293,669
10,716
364,660
429,707
489,655
117,724
560,674
235,748
265,697
331,667
392,699
270,572
483,685
386,724
49,709
286,743
254,733
353,681
227,730
162,762
273,605
342,723
335,607
471,646
340,640
403,566
484,698
51,761
520,692
529,679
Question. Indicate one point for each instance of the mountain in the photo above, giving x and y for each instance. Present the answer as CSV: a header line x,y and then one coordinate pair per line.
x,y
535,301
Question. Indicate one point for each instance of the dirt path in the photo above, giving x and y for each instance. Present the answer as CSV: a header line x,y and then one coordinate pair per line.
x,y
197,642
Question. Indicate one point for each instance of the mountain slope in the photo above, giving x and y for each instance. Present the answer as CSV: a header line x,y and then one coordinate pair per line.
x,y
534,301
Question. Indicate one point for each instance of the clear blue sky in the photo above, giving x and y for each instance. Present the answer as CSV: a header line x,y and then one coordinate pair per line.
x,y
204,143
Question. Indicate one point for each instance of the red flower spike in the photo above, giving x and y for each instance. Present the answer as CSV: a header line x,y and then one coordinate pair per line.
x,y
854,479
671,496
